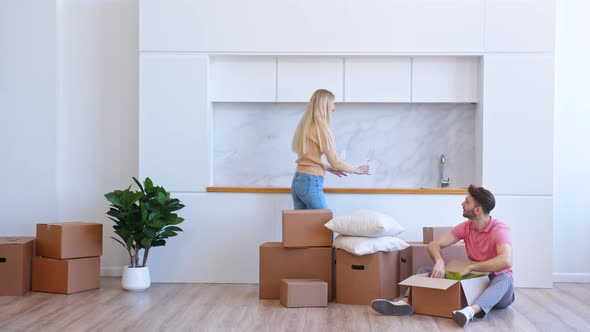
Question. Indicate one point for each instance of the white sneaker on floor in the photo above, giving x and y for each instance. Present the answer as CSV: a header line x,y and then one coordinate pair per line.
x,y
463,316
389,308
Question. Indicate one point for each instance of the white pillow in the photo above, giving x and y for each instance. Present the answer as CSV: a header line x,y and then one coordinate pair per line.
x,y
368,245
365,223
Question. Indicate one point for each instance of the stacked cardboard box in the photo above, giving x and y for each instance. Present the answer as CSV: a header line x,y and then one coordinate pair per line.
x,y
68,257
361,279
305,253
15,265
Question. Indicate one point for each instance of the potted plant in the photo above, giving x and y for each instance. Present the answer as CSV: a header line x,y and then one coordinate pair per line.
x,y
143,219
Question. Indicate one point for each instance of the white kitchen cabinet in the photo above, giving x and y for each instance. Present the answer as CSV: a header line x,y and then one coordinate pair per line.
x,y
445,79
517,152
299,77
243,79
519,25
174,121
369,26
378,79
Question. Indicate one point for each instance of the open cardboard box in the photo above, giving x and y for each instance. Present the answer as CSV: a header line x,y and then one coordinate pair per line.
x,y
439,297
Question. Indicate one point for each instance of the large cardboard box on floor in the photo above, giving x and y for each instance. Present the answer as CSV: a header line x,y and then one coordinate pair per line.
x,y
439,297
305,228
361,279
278,262
69,240
416,256
300,293
16,254
65,276
430,234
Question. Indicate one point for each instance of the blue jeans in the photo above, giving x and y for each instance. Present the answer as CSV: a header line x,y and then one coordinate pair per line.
x,y
307,191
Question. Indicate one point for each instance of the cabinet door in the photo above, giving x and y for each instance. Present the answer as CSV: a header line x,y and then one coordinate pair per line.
x,y
377,79
299,77
517,140
243,79
174,117
445,79
523,25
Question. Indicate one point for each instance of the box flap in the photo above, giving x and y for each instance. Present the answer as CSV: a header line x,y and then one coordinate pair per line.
x,y
427,282
473,288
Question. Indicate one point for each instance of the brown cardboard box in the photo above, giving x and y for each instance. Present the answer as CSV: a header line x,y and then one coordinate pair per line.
x,y
65,276
429,234
439,297
305,228
278,262
69,240
15,265
416,256
361,279
299,293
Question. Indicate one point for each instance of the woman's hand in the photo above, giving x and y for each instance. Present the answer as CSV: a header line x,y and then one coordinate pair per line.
x,y
336,172
362,170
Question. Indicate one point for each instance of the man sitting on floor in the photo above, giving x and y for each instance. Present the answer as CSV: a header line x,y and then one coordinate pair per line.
x,y
488,243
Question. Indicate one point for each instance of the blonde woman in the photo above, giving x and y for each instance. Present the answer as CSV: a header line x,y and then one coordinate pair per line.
x,y
312,140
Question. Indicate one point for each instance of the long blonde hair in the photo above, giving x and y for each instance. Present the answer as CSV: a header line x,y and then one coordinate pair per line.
x,y
315,123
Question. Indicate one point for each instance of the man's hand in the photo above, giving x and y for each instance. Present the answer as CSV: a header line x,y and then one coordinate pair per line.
x,y
468,269
336,172
438,271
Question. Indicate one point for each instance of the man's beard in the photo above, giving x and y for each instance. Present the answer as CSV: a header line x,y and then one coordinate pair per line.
x,y
469,214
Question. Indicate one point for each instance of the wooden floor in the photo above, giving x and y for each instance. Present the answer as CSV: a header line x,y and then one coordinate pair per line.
x,y
236,307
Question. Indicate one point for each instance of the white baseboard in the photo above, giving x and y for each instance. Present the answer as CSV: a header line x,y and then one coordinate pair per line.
x,y
111,271
571,277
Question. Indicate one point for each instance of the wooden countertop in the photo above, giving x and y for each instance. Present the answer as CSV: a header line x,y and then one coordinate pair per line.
x,y
423,191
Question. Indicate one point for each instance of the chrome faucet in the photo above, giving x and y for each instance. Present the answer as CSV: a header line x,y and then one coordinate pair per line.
x,y
443,183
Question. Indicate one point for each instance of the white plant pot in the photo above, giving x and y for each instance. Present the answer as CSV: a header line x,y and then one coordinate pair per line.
x,y
136,278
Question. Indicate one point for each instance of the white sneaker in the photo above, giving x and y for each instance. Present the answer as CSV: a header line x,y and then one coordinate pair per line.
x,y
463,316
389,308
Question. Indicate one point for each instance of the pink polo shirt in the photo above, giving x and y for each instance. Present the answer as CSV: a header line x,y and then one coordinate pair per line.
x,y
481,245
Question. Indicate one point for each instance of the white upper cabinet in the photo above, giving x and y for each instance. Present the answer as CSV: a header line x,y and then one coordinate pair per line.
x,y
369,26
299,77
243,79
378,79
520,25
445,79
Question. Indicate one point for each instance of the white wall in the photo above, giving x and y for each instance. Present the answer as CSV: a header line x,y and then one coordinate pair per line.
x,y
97,121
27,115
571,224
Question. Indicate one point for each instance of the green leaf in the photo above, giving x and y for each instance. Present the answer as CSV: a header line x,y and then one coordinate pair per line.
x,y
161,198
149,185
150,232
159,243
154,215
173,228
177,221
159,224
138,184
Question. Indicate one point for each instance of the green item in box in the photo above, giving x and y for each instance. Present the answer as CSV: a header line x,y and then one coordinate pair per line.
x,y
458,276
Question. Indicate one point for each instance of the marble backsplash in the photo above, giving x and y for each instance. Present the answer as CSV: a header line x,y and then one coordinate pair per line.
x,y
401,142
